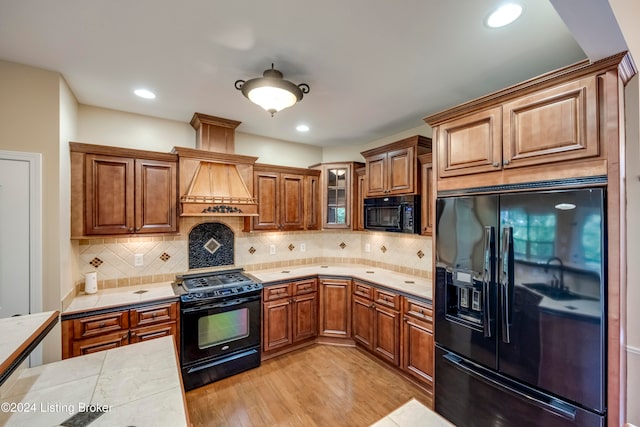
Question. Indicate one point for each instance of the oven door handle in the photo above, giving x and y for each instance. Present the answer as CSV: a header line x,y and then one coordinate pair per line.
x,y
220,304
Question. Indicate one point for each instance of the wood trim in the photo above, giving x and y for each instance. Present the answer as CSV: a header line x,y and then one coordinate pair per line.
x,y
10,364
199,118
176,352
262,167
105,150
412,141
562,75
213,156
612,133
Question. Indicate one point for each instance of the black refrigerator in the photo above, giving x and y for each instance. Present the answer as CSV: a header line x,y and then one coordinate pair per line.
x,y
520,309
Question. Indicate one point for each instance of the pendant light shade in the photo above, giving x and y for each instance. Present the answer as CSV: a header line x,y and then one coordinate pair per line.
x,y
271,91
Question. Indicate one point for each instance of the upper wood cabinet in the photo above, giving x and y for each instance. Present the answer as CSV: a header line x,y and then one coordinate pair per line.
x,y
427,201
522,133
393,169
118,191
287,199
339,194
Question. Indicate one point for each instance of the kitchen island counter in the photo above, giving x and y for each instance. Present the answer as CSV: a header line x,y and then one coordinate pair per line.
x,y
420,287
138,384
20,335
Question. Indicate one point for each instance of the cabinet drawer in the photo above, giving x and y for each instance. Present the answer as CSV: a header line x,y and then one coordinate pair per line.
x,y
276,292
387,299
99,343
144,316
419,310
362,290
150,332
100,324
305,287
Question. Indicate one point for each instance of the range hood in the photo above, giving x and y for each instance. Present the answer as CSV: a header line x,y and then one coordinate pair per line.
x,y
215,183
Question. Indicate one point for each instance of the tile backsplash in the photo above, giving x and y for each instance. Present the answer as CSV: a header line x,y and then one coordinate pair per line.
x,y
164,256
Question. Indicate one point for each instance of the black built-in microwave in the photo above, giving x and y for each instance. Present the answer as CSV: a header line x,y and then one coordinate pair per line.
x,y
400,214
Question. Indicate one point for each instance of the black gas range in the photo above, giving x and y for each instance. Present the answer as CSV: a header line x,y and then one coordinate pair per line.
x,y
220,315
198,288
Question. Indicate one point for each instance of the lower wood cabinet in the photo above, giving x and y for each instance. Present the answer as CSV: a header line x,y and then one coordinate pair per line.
x,y
417,342
377,326
290,314
335,308
92,333
396,329
376,321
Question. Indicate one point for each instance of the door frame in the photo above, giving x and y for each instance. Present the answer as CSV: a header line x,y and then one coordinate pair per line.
x,y
35,224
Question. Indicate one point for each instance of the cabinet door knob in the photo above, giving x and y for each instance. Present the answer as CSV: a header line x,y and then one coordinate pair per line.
x,y
506,162
496,164
133,334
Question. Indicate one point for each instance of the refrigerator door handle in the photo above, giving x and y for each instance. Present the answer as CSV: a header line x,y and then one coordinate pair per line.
x,y
506,274
486,280
531,396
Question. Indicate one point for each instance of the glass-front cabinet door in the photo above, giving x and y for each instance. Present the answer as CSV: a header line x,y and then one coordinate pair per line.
x,y
338,197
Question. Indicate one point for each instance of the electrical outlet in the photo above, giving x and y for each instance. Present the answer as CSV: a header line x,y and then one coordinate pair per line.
x,y
303,247
138,260
367,247
272,249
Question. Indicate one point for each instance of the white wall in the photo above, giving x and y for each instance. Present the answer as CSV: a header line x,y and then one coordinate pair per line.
x,y
352,153
627,13
277,152
30,121
68,129
103,126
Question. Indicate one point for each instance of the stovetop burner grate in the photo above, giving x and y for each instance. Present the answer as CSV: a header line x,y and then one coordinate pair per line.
x,y
216,284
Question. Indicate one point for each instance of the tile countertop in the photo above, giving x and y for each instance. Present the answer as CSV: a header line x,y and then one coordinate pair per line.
x,y
418,286
114,297
138,384
413,414
19,333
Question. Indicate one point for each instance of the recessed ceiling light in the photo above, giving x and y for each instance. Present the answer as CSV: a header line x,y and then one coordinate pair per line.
x,y
504,15
302,128
144,93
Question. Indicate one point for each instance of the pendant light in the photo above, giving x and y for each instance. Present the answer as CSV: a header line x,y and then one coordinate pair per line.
x,y
271,91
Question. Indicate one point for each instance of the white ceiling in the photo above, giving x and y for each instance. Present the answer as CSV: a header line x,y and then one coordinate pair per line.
x,y
375,67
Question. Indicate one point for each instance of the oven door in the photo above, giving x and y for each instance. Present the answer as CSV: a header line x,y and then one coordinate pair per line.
x,y
219,328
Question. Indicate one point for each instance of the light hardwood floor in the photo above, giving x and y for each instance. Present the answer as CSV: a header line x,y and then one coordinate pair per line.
x,y
321,385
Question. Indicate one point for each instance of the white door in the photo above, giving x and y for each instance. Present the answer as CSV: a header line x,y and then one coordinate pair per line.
x,y
20,235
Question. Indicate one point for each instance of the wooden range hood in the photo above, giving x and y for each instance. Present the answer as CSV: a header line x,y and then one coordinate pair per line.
x,y
213,180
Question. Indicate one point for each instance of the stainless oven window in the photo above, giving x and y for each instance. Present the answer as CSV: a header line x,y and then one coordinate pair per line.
x,y
219,328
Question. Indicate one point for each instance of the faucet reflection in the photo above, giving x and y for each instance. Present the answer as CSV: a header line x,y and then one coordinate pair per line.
x,y
556,283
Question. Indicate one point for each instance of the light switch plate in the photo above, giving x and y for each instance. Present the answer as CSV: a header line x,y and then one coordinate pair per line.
x,y
272,249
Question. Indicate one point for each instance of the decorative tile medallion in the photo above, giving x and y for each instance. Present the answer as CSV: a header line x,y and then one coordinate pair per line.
x,y
96,262
383,248
211,244
291,247
252,250
420,254
343,245
165,257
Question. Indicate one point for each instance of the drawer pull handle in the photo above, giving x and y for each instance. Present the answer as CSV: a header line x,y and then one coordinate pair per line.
x,y
102,324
